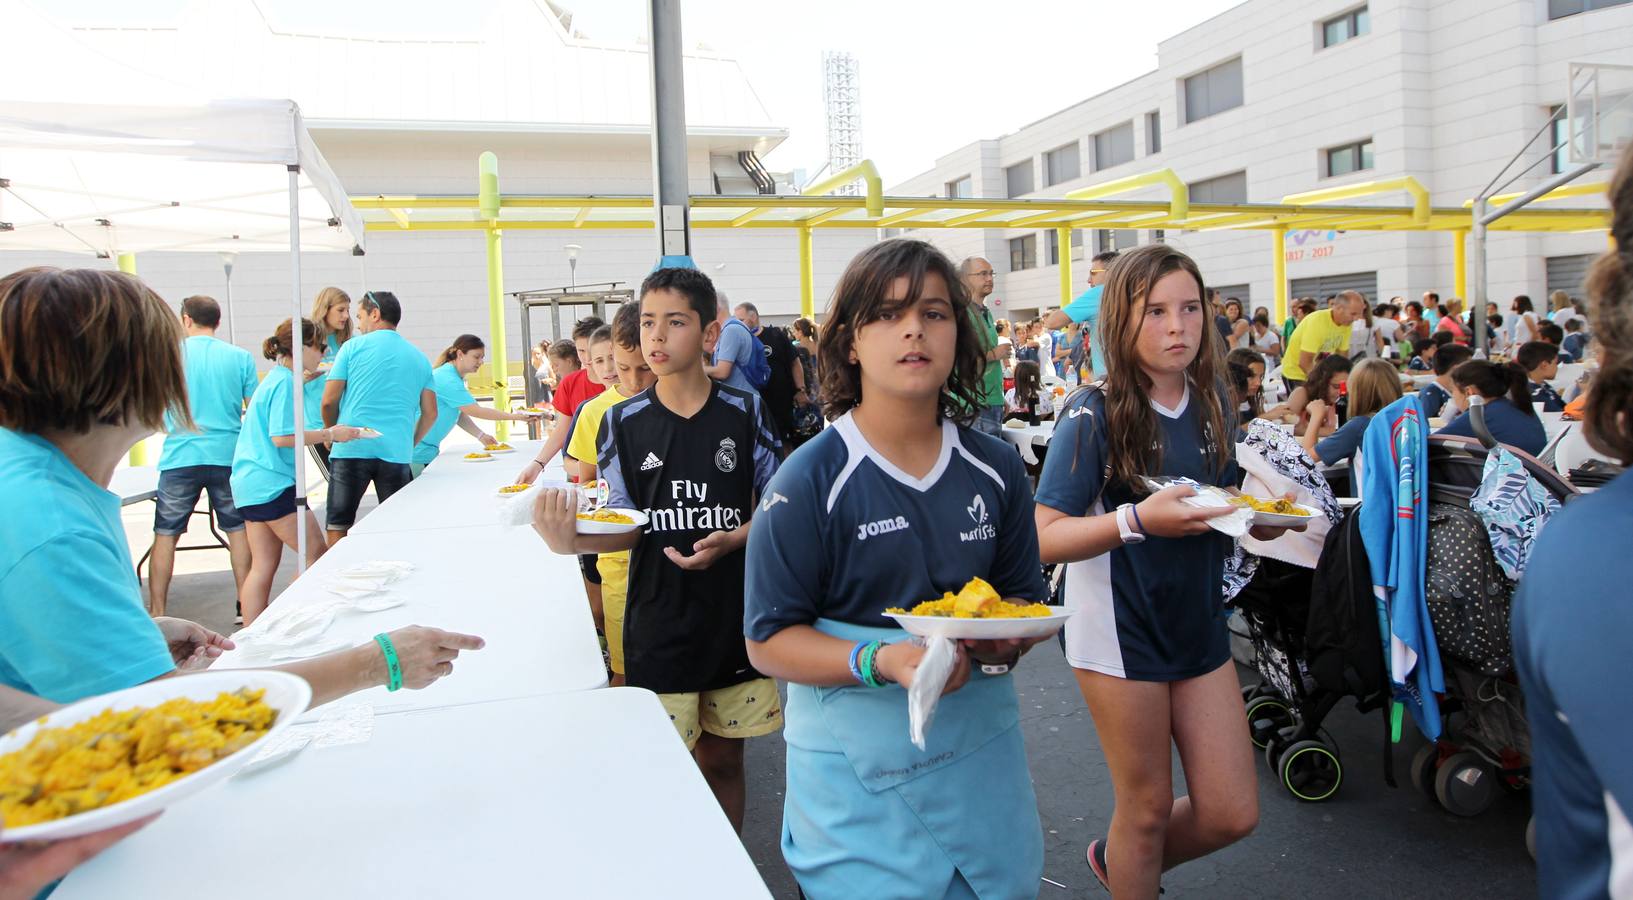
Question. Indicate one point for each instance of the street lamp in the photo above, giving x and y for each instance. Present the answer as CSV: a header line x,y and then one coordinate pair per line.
x,y
227,257
572,263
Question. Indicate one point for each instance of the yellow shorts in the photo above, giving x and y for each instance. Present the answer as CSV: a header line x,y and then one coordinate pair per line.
x,y
746,710
614,569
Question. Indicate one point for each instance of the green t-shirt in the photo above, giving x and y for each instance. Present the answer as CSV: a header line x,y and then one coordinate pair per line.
x,y
992,388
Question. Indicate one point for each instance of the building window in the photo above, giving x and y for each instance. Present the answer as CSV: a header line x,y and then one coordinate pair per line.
x,y
1230,188
1077,243
1051,239
1159,236
1061,164
1559,135
1019,179
1114,146
1023,253
1153,132
1352,24
960,188
1106,240
1356,157
1559,9
1214,90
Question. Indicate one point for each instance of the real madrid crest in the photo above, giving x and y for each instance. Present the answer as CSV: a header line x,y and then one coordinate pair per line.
x,y
725,458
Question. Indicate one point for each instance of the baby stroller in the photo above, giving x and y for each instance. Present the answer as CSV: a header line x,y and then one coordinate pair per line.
x,y
1485,745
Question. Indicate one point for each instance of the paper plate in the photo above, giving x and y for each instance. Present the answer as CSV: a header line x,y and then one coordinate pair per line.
x,y
1283,520
984,629
506,496
586,526
505,450
367,433
488,458
285,693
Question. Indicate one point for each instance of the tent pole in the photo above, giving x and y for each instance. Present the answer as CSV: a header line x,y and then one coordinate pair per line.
x,y
298,371
138,453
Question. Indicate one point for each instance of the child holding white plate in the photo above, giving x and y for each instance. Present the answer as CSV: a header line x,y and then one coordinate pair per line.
x,y
896,503
1149,645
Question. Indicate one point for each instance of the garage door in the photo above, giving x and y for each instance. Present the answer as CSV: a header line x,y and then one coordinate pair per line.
x,y
1324,286
1566,273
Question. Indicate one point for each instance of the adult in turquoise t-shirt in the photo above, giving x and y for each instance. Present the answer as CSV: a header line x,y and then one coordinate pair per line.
x,y
455,405
1085,310
220,377
382,382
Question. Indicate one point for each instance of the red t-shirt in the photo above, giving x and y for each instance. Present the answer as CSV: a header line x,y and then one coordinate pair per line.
x,y
573,390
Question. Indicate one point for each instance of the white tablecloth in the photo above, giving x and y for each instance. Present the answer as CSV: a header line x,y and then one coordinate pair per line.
x,y
579,795
453,493
499,583
1028,436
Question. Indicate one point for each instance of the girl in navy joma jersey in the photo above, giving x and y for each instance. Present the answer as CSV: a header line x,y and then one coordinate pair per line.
x,y
892,505
1149,645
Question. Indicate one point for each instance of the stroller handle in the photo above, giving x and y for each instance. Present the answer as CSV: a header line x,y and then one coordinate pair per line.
x,y
1477,422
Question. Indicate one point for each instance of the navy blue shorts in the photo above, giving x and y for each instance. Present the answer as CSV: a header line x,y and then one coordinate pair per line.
x,y
178,495
272,510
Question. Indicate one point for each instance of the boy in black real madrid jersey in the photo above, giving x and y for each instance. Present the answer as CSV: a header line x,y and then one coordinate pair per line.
x,y
693,454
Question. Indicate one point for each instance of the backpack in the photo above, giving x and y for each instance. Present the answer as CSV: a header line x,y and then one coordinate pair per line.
x,y
1344,639
1467,592
757,370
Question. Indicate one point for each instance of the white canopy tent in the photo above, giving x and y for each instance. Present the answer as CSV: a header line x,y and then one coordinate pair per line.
x,y
226,175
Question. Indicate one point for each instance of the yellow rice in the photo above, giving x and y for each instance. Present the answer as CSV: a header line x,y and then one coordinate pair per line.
x,y
119,754
977,600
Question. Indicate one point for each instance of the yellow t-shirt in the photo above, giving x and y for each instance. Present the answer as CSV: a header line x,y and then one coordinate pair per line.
x,y
1317,334
586,438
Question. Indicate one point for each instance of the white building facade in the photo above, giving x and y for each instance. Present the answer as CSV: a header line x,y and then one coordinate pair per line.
x,y
409,115
1273,98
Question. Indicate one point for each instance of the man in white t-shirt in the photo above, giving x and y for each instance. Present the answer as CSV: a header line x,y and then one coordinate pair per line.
x,y
1046,347
1386,319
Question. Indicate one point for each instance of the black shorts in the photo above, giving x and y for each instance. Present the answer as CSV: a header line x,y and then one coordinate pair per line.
x,y
586,562
349,479
272,510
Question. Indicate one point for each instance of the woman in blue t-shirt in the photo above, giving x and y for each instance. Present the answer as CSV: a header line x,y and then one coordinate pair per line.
x,y
892,505
1508,412
332,314
1145,570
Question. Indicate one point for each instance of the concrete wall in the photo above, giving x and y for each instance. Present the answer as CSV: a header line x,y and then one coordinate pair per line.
x,y
1448,91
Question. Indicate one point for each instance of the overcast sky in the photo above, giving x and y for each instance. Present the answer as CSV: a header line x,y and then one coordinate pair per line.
x,y
935,74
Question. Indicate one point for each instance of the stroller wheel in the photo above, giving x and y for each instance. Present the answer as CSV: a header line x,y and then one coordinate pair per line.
x,y
1424,764
1310,771
1266,716
1465,784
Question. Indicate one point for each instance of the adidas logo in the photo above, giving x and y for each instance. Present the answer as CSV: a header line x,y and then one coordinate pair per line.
x,y
651,462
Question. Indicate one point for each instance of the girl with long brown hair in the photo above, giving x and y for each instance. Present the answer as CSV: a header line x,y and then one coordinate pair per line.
x,y
1148,644
332,314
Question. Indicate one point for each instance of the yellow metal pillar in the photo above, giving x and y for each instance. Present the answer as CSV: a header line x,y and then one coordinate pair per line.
x,y
807,275
1063,242
487,168
127,264
1278,272
1460,264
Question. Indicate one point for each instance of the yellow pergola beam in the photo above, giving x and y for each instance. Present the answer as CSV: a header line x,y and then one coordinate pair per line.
x,y
824,216
870,180
400,216
1179,195
751,215
1420,194
893,218
956,221
583,216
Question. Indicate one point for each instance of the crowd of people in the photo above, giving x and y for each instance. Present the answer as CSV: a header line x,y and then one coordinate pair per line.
x,y
799,482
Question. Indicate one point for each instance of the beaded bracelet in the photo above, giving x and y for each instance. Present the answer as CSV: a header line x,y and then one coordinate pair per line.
x,y
394,668
873,668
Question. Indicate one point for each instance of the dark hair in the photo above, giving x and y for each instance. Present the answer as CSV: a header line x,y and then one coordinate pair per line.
x,y
204,311
1535,353
1322,374
1307,304
689,283
626,326
804,327
83,347
1106,257
1608,417
282,341
1241,378
1550,332
1239,310
563,349
1422,344
391,310
1573,324
1028,384
1434,297
1133,435
1451,355
1496,381
1495,319
1524,304
604,333
1243,356
465,343
1442,337
586,326
860,299
1261,316
1413,304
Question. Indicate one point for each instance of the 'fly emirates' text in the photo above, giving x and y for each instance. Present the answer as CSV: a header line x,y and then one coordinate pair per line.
x,y
690,513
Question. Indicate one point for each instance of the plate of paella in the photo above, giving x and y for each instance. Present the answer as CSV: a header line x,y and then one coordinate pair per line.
x,y
976,612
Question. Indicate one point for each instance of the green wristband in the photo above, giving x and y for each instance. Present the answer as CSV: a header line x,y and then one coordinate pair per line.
x,y
393,667
869,674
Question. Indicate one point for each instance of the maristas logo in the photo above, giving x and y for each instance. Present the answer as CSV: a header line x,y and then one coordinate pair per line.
x,y
978,514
